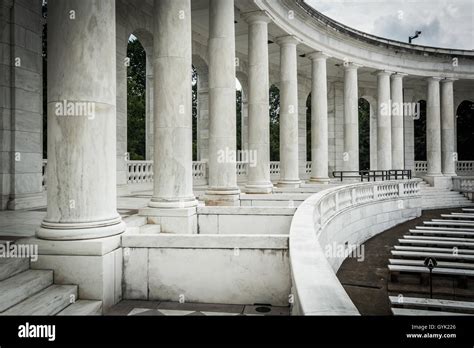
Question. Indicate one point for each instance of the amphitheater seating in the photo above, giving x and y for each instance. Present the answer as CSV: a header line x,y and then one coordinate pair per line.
x,y
450,240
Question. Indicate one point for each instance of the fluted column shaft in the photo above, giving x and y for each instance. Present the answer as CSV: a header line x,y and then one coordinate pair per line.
x,y
173,180
289,165
448,155
384,121
398,153
259,117
351,118
433,127
223,189
319,119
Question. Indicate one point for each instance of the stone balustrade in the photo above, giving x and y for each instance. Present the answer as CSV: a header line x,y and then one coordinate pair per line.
x,y
462,167
140,172
341,219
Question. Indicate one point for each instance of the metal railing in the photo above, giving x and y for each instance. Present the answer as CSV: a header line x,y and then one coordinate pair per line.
x,y
373,175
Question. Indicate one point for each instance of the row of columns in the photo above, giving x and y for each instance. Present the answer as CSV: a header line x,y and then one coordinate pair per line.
x,y
79,200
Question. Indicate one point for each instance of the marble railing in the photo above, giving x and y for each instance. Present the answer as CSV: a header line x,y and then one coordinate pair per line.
x,y
341,219
44,170
274,169
200,173
308,168
464,184
140,172
462,167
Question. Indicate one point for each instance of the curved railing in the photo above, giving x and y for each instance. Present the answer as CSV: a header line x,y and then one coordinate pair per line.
x,y
342,216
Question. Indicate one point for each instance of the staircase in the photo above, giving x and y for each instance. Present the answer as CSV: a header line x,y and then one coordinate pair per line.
x,y
32,292
438,198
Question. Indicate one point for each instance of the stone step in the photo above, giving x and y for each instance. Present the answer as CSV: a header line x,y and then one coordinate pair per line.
x,y
19,287
150,229
10,266
83,307
50,301
135,221
468,210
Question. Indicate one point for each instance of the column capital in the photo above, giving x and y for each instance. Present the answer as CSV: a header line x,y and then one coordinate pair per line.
x,y
287,40
351,66
256,17
448,80
398,75
317,55
384,73
434,79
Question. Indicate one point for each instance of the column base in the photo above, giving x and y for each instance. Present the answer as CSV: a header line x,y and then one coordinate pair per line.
x,y
222,197
259,188
27,201
94,265
289,183
80,230
172,220
320,180
188,202
439,181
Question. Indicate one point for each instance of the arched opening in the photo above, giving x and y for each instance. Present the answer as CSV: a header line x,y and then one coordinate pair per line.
x,y
308,128
465,130
136,100
194,87
420,132
364,134
238,114
274,123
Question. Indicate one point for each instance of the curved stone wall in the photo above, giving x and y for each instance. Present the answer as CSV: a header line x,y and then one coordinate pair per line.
x,y
341,218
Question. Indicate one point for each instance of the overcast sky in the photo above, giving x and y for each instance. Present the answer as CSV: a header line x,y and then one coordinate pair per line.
x,y
444,23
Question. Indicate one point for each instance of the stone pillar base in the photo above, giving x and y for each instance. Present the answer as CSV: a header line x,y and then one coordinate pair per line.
x,y
94,265
263,189
319,180
289,183
172,220
222,197
27,201
439,181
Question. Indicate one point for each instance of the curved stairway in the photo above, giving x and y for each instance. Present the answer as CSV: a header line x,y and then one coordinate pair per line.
x,y
438,198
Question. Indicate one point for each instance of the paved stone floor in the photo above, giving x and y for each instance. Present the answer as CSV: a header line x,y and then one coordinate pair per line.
x,y
157,308
367,282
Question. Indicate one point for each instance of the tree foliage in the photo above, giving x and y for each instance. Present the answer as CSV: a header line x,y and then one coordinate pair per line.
x,y
274,123
364,134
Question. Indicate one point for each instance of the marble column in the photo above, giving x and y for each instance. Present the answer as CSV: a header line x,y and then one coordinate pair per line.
x,y
384,121
433,128
289,165
319,119
258,101
351,118
223,189
396,89
173,180
448,155
81,122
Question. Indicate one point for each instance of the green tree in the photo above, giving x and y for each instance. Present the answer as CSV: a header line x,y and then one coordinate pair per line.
x,y
420,133
465,131
274,123
238,119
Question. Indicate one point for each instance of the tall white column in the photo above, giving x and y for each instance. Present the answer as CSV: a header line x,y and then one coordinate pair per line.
x,y
433,128
351,118
223,189
384,121
319,118
289,166
448,155
398,153
173,180
259,117
81,122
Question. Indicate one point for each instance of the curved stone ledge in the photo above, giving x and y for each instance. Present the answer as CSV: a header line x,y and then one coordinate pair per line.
x,y
353,214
